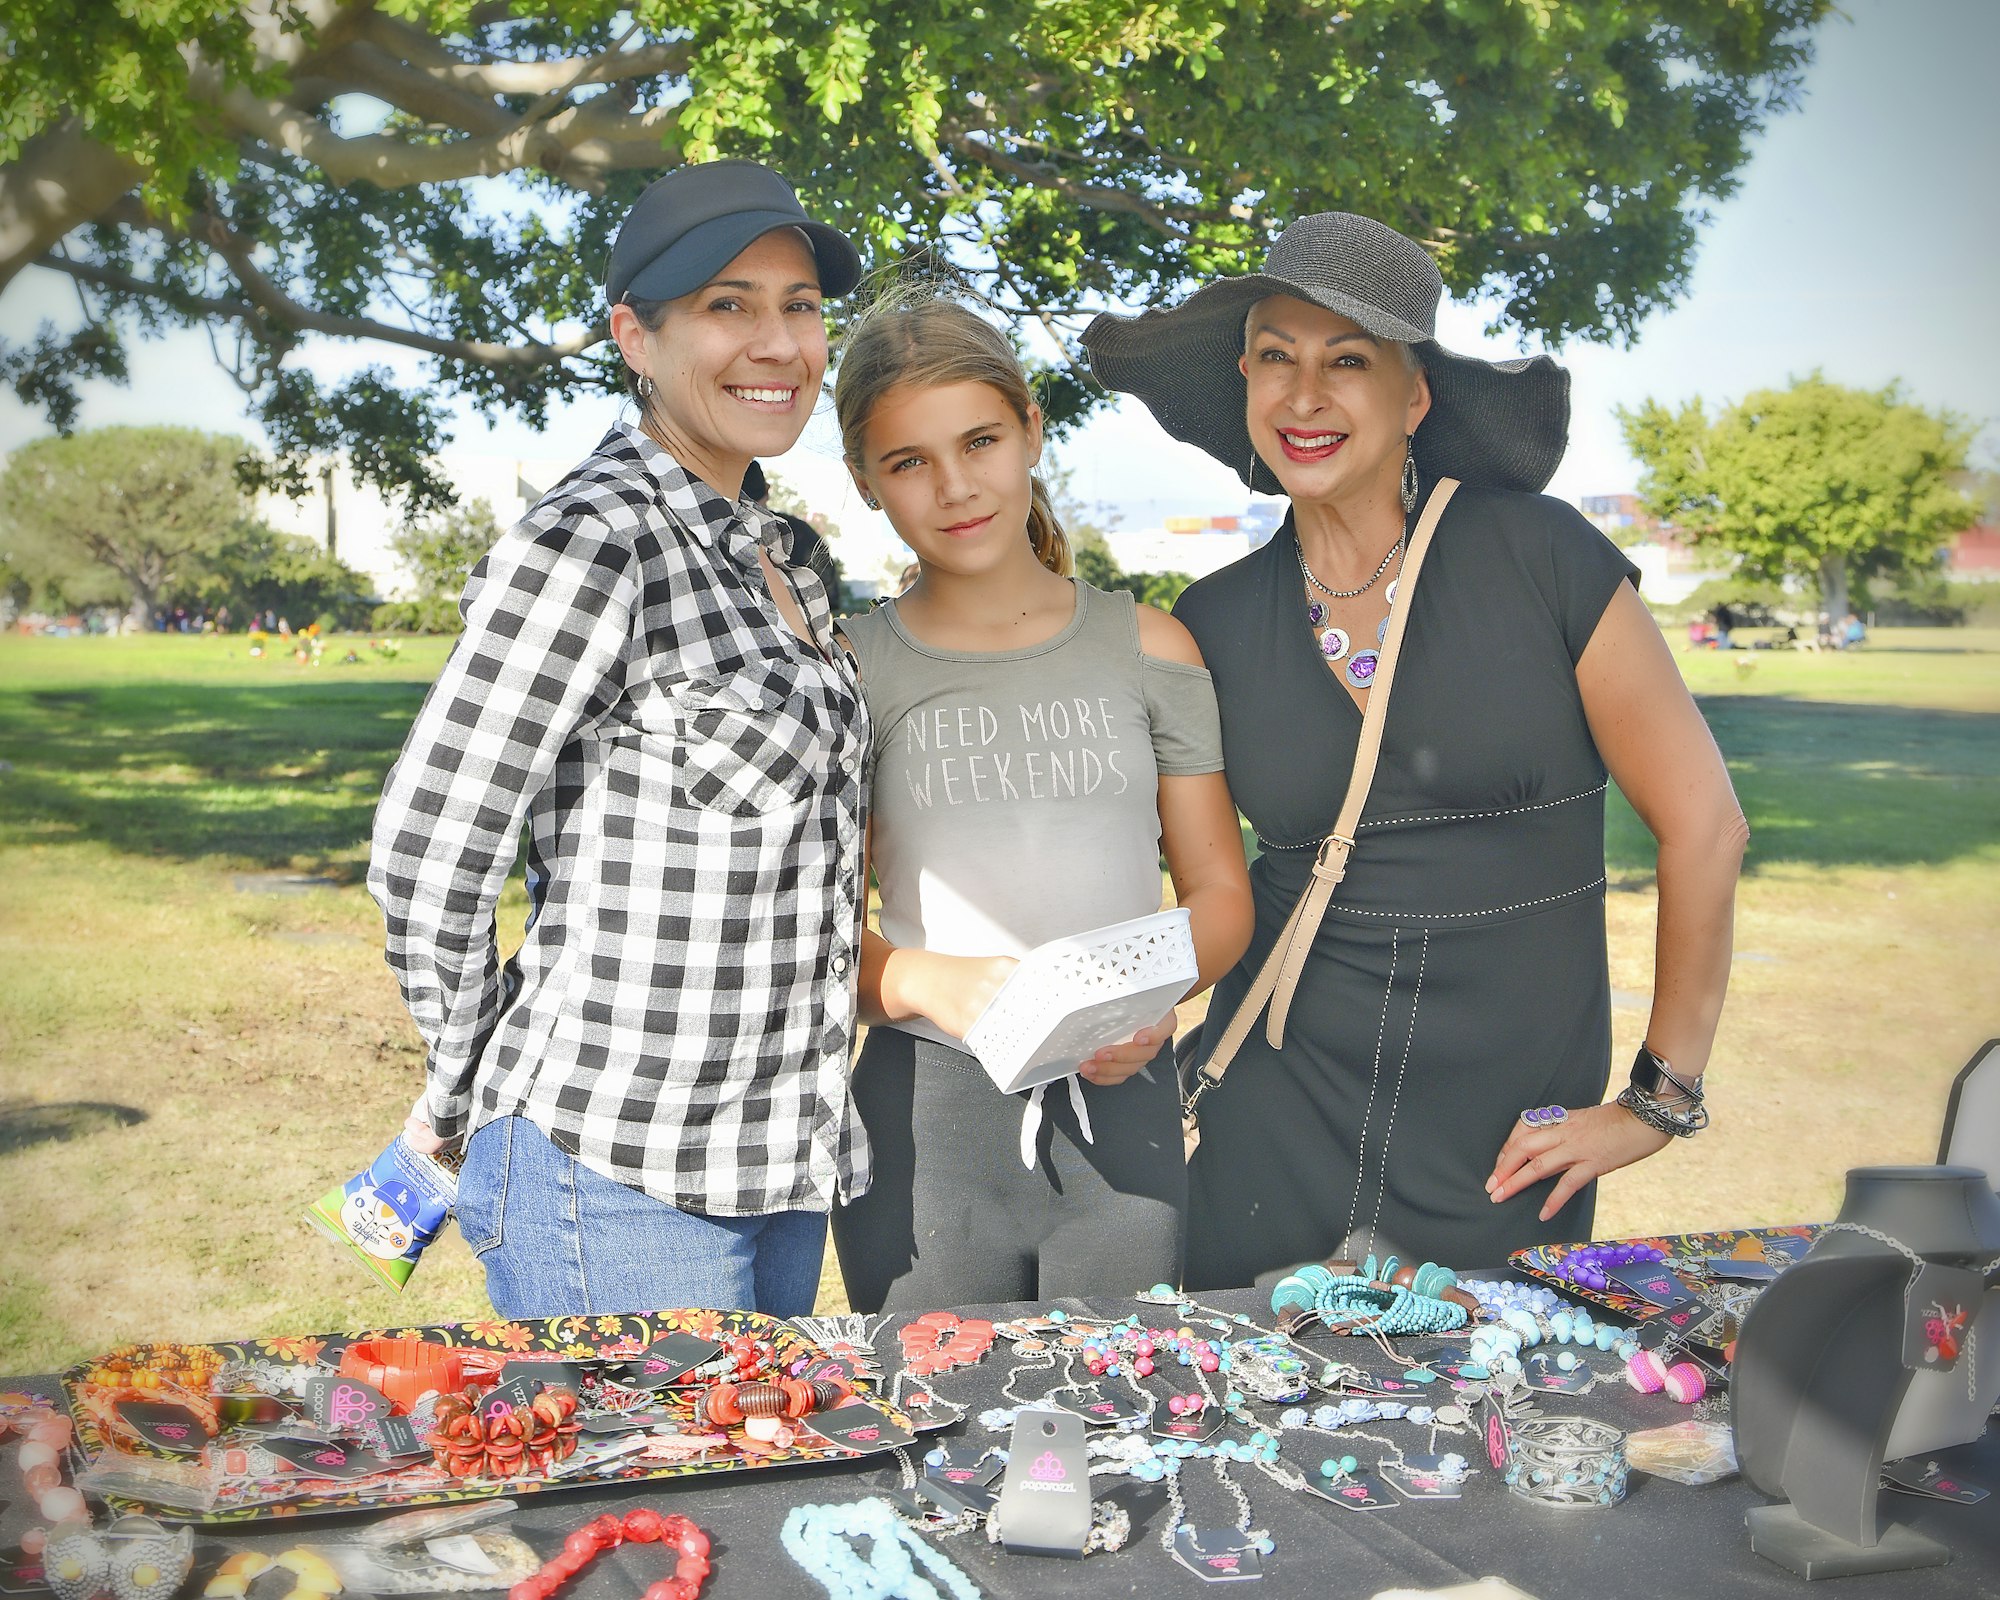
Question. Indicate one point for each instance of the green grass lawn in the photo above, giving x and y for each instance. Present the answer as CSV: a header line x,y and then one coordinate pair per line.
x,y
198,1035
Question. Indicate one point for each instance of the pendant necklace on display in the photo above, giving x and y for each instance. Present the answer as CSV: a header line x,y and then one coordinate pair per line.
x,y
1334,644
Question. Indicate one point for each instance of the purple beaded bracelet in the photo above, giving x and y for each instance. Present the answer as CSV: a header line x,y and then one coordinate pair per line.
x,y
1588,1266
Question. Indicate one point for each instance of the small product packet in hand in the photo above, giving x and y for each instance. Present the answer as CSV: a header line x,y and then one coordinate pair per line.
x,y
386,1215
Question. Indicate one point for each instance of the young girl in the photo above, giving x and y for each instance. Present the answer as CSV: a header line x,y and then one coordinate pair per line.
x,y
1035,741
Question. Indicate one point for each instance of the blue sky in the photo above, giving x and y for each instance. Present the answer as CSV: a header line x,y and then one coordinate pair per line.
x,y
1864,241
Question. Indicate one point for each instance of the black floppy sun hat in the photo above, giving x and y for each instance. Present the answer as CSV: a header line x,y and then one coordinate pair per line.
x,y
692,223
1500,424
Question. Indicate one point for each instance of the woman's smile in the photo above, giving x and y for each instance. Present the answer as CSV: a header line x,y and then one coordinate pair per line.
x,y
1299,445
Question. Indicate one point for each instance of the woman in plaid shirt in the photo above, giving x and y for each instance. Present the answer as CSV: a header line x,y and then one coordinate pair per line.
x,y
653,1091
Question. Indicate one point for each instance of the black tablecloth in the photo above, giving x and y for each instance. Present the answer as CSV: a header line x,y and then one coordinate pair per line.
x,y
1664,1540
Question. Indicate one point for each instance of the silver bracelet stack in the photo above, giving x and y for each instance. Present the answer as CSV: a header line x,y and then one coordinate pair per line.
x,y
1682,1117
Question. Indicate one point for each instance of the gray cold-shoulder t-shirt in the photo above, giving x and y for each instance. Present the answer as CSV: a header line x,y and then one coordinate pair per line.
x,y
1015,793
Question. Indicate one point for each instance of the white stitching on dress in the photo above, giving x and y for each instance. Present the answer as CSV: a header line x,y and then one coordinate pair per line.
x,y
1442,816
1374,1083
1460,916
1396,1096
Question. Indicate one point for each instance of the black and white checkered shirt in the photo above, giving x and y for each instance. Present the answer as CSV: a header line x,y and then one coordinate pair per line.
x,y
680,1015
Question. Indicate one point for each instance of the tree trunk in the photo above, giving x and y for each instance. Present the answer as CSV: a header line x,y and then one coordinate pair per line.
x,y
141,612
63,179
1833,588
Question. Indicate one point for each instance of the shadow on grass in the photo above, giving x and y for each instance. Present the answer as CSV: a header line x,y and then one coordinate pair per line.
x,y
288,773
1834,784
268,775
26,1123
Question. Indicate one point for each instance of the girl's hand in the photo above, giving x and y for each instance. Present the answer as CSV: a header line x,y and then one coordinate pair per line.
x,y
417,1131
1117,1062
953,990
1593,1141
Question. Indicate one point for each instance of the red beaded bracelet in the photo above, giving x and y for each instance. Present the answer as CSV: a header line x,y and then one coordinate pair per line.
x,y
607,1533
937,1341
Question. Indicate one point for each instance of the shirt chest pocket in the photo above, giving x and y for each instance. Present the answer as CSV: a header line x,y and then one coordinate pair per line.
x,y
755,742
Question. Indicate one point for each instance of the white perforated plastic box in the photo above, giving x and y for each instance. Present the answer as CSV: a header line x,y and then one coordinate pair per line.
x,y
1071,997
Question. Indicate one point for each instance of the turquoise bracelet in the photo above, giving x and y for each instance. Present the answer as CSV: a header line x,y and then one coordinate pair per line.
x,y
820,1539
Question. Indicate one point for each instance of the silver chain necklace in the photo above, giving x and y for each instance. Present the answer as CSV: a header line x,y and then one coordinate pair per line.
x,y
1374,577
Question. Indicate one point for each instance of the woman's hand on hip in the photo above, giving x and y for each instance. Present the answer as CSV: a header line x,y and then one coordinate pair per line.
x,y
1117,1062
1588,1143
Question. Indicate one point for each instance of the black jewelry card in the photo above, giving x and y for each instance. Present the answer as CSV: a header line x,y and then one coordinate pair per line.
x,y
326,1460
1217,1555
21,1574
665,1360
1044,1507
344,1405
859,1426
165,1425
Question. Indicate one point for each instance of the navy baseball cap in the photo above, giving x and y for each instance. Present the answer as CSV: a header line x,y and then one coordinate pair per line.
x,y
692,223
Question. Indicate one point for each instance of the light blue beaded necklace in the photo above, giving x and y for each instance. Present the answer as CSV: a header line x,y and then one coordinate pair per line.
x,y
1366,1302
820,1539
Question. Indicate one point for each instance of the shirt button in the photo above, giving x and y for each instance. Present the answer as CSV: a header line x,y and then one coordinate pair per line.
x,y
839,965
847,764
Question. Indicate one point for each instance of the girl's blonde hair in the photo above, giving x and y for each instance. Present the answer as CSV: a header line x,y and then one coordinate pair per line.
x,y
931,342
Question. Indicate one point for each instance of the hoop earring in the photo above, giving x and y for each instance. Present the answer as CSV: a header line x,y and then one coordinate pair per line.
x,y
645,386
1409,490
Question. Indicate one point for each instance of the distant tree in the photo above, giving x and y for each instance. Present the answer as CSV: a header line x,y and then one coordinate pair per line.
x,y
438,551
1815,482
1096,565
146,506
258,569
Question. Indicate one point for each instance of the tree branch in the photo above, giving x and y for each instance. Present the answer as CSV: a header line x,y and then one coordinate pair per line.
x,y
267,303
549,77
578,145
1099,197
61,180
364,66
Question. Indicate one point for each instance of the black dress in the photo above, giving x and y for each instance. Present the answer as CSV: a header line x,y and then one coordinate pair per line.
x,y
1460,974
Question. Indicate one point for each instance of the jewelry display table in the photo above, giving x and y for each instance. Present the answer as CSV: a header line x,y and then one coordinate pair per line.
x,y
1664,1540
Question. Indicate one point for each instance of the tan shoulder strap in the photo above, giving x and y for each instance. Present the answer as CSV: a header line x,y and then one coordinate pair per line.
x,y
1279,975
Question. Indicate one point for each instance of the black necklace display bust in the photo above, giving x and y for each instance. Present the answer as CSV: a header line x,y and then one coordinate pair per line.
x,y
1821,1376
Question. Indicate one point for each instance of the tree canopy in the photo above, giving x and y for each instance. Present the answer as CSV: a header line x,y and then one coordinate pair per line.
x,y
1814,482
149,505
444,176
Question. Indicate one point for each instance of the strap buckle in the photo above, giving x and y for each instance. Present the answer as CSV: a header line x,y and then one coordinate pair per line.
x,y
1204,1081
1324,868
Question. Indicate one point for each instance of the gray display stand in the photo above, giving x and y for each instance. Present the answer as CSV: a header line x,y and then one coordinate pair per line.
x,y
1941,1409
1818,1381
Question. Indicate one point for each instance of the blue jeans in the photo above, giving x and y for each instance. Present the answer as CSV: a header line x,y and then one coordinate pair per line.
x,y
558,1239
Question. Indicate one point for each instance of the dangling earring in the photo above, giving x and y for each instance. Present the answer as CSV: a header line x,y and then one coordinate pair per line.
x,y
1409,473
645,387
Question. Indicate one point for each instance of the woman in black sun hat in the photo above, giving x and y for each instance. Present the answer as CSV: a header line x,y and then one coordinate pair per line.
x,y
1415,1061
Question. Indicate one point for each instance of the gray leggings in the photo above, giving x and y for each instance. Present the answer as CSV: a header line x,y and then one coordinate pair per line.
x,y
954,1219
